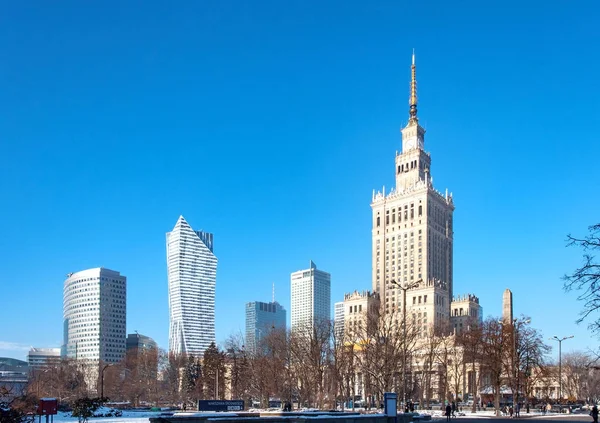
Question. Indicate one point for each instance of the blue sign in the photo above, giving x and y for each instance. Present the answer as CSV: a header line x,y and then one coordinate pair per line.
x,y
218,405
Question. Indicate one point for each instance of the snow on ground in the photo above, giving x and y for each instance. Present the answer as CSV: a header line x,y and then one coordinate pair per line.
x,y
127,417
143,416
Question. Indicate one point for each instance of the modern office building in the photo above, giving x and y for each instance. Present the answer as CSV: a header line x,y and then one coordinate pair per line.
x,y
38,358
138,342
413,231
262,318
311,297
142,353
192,275
94,313
338,320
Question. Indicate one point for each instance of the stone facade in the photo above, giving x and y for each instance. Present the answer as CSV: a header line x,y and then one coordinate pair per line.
x,y
464,311
507,306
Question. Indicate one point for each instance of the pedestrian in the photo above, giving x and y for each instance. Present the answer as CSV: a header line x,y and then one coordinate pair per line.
x,y
411,406
510,411
453,409
594,413
449,412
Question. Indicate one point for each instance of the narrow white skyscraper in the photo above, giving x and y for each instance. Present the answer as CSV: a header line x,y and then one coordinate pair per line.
x,y
192,274
311,297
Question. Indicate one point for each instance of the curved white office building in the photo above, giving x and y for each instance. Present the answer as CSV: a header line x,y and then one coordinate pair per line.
x,y
192,274
94,313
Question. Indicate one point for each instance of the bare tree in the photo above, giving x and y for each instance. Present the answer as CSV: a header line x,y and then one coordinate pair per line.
x,y
139,373
214,374
471,340
493,358
531,353
443,357
240,374
575,367
429,352
342,367
384,347
311,351
172,377
456,368
586,279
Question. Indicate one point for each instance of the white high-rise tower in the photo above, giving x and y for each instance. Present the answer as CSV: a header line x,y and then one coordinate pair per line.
x,y
412,233
311,297
192,274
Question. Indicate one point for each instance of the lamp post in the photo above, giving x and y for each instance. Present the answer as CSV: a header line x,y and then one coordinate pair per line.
x,y
560,340
408,286
102,379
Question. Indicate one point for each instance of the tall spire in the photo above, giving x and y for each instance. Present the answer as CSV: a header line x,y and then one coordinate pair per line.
x,y
413,92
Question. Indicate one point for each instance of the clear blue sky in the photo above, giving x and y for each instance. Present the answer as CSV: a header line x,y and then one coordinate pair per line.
x,y
269,124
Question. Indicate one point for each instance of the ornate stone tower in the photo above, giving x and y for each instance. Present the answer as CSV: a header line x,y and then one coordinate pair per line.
x,y
412,232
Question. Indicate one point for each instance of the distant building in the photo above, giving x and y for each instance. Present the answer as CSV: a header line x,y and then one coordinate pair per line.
x,y
464,311
311,297
357,306
38,358
142,353
13,377
260,319
192,275
94,313
138,342
338,320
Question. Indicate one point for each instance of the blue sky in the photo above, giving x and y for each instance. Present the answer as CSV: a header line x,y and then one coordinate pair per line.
x,y
269,124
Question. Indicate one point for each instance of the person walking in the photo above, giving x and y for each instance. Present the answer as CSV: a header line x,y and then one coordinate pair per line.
x,y
449,412
594,413
453,409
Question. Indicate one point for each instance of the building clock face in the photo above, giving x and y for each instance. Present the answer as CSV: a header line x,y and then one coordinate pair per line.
x,y
411,143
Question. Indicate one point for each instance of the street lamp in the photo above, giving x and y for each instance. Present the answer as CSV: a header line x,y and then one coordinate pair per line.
x,y
556,338
102,379
408,286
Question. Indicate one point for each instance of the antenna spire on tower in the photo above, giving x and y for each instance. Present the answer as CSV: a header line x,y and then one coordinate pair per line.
x,y
413,92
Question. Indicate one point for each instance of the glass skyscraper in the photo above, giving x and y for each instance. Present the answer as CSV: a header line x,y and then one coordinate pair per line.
x,y
262,318
192,274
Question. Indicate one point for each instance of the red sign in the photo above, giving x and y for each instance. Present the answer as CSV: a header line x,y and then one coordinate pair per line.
x,y
47,406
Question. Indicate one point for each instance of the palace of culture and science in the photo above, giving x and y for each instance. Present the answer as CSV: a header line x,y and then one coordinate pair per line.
x,y
413,241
